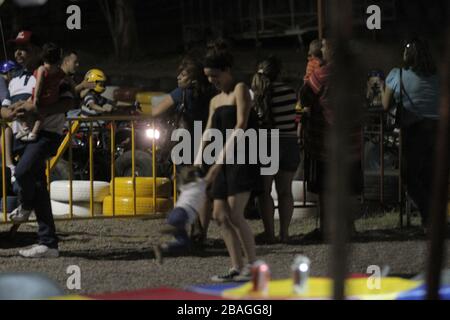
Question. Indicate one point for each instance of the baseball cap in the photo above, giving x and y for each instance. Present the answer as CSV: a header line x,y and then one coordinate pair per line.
x,y
24,37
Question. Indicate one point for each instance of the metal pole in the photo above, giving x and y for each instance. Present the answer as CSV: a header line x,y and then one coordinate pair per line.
x,y
174,185
320,18
133,165
3,39
113,168
382,161
4,174
438,209
401,190
91,168
48,176
338,205
154,173
70,164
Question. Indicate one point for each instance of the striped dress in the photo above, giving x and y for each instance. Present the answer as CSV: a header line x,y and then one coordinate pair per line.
x,y
283,109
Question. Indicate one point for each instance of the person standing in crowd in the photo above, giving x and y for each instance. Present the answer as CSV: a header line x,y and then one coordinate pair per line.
x,y
314,58
231,109
48,79
30,170
7,70
20,86
275,104
69,65
416,87
315,96
315,61
188,103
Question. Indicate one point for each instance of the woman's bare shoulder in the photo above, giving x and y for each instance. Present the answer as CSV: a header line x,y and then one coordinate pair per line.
x,y
241,87
215,100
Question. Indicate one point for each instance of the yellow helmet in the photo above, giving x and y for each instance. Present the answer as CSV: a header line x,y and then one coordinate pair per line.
x,y
98,77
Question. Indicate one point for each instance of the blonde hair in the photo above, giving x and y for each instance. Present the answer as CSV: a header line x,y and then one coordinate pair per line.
x,y
262,86
315,48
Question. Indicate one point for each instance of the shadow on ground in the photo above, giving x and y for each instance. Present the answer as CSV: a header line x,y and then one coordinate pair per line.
x,y
127,254
383,235
18,240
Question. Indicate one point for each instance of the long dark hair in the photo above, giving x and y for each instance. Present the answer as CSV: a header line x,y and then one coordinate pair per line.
x,y
51,53
262,86
218,55
418,57
194,69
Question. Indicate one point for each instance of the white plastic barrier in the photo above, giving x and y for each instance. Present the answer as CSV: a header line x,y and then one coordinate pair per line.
x,y
81,190
80,209
297,192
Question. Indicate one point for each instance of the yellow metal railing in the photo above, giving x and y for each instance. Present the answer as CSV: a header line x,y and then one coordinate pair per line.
x,y
4,197
66,145
74,126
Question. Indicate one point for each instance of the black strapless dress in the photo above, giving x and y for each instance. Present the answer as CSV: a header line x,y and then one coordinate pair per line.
x,y
235,178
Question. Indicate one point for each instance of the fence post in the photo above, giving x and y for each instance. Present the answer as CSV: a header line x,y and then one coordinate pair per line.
x,y
438,209
4,196
346,114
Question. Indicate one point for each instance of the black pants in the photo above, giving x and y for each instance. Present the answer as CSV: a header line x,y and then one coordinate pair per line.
x,y
419,147
32,182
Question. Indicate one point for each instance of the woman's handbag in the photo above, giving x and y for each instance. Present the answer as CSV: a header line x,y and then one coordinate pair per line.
x,y
404,117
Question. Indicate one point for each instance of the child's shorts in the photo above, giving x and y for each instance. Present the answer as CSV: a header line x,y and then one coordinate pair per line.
x,y
178,217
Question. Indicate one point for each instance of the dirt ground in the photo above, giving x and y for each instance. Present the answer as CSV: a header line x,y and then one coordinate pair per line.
x,y
115,255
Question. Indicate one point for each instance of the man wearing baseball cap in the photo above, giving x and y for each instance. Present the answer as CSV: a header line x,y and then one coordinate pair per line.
x,y
30,170
23,37
26,41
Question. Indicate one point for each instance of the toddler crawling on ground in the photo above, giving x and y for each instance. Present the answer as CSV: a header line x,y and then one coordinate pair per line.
x,y
192,199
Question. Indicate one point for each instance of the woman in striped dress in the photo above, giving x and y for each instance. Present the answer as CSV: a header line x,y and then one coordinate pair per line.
x,y
275,105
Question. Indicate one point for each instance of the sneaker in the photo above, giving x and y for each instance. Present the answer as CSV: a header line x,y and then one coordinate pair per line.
x,y
13,172
22,132
20,215
29,137
245,274
227,277
39,251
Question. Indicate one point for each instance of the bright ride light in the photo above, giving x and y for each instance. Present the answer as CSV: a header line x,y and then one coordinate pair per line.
x,y
152,134
304,267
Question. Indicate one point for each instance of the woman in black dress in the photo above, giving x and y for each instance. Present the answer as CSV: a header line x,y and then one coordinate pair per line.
x,y
231,109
